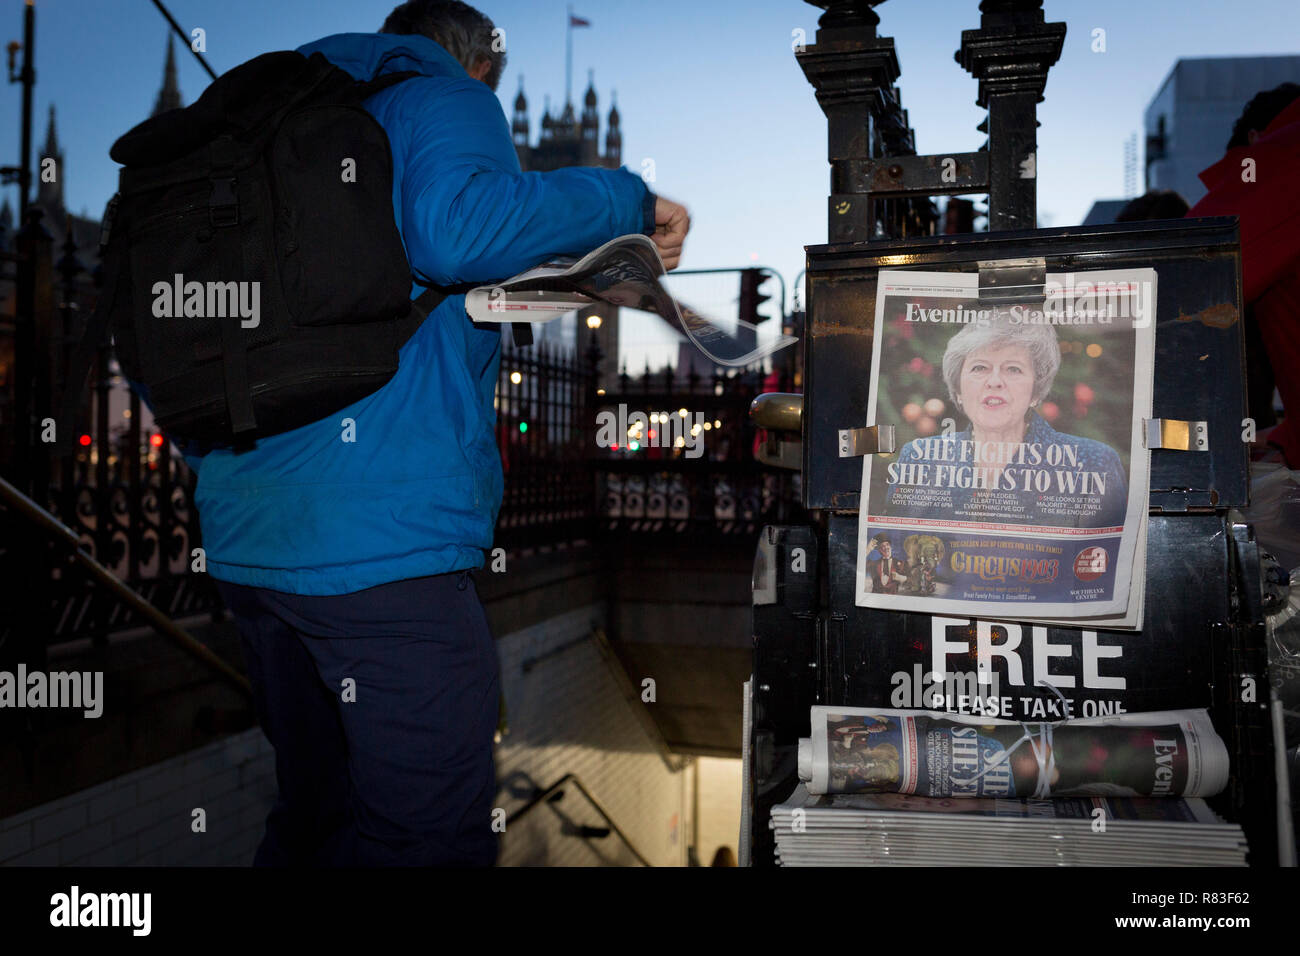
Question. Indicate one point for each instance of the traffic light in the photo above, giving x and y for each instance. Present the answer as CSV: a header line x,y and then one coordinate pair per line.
x,y
750,297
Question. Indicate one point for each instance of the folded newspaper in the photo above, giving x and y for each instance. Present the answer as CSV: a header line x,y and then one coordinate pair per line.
x,y
872,829
623,272
1156,754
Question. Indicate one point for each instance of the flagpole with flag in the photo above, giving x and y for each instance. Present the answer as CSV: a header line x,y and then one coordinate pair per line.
x,y
568,53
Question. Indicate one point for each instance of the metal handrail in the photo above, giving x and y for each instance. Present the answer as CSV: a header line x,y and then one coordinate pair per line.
x,y
165,625
572,778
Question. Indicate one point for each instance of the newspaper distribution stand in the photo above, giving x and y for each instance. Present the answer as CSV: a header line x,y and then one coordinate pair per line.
x,y
1201,642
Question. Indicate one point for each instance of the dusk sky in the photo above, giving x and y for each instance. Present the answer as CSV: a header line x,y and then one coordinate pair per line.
x,y
709,91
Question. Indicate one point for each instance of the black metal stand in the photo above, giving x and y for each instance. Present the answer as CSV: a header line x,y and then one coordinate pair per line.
x,y
1202,640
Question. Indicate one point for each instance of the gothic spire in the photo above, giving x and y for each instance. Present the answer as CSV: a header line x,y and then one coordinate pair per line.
x,y
51,147
49,185
519,123
169,97
614,134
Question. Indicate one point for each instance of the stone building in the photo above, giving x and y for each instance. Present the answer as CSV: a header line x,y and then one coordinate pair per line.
x,y
569,139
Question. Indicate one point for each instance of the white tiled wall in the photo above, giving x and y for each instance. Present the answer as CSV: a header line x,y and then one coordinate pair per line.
x,y
146,817
567,715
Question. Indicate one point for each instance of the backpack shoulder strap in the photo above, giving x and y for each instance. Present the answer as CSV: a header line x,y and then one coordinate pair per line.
x,y
422,306
521,332
431,298
368,88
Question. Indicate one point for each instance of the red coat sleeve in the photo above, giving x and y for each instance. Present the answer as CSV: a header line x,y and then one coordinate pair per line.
x,y
1268,207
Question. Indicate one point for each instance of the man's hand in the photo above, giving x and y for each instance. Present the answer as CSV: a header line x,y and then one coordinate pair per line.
x,y
672,222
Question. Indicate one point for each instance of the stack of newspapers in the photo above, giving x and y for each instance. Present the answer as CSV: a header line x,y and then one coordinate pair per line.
x,y
875,829
919,787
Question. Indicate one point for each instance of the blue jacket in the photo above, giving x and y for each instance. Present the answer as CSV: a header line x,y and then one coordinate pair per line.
x,y
418,492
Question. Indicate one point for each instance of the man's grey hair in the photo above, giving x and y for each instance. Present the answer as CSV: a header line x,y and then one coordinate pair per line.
x,y
1038,340
457,27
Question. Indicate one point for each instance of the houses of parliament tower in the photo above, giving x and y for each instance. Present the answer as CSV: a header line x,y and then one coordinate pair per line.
x,y
567,139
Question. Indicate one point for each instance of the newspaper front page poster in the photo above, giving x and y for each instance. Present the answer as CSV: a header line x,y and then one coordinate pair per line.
x,y
1018,487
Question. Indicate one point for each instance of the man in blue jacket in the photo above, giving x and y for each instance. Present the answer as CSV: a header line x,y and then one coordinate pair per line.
x,y
346,563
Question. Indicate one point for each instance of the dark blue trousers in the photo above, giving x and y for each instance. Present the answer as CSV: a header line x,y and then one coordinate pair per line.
x,y
381,706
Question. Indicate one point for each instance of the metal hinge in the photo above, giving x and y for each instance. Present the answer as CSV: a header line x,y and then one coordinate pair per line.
x,y
1174,434
1012,280
872,440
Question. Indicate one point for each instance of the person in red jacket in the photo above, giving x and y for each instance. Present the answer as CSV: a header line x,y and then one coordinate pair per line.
x,y
1257,181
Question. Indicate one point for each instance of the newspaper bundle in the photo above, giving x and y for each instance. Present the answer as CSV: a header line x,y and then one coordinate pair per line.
x,y
1156,754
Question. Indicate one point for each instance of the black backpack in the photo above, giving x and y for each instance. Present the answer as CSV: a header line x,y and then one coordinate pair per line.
x,y
254,277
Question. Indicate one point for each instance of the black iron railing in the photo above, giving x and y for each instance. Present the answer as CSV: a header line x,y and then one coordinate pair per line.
x,y
544,407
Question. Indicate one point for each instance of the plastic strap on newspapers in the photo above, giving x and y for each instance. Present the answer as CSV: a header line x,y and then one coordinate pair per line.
x,y
624,272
